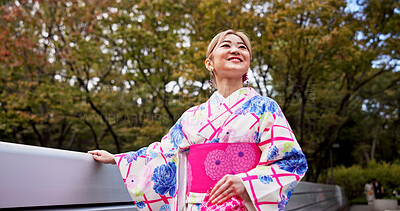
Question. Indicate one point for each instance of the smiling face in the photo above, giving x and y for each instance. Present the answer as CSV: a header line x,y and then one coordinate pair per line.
x,y
230,58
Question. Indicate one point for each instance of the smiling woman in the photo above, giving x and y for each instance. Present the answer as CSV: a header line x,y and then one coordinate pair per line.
x,y
234,152
228,59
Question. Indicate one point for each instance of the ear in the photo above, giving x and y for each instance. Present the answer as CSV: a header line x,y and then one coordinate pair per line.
x,y
209,65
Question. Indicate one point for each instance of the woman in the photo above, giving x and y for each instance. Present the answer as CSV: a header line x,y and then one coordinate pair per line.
x,y
234,152
369,192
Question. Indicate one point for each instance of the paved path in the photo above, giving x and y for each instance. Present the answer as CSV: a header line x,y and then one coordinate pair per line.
x,y
363,208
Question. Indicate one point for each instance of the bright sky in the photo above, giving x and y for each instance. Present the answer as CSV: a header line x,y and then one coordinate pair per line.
x,y
352,6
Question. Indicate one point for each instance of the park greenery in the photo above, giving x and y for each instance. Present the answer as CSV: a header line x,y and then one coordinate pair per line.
x,y
353,179
115,75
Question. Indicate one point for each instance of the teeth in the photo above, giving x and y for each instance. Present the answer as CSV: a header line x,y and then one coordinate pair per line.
x,y
235,59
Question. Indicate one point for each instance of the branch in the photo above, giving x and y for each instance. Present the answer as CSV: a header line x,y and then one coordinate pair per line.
x,y
41,141
362,83
93,133
171,116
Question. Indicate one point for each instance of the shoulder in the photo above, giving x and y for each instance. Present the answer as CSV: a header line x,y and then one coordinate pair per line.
x,y
254,96
261,104
262,101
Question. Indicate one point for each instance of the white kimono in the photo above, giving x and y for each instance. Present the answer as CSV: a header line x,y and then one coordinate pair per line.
x,y
156,176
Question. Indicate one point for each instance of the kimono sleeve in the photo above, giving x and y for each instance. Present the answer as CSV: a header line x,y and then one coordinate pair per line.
x,y
151,173
282,163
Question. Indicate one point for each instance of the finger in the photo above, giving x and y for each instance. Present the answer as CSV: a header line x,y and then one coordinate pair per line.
x,y
226,198
217,189
213,195
218,185
96,157
226,181
91,152
94,152
223,195
221,192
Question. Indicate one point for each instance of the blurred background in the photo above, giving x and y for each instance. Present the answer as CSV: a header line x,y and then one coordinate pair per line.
x,y
115,75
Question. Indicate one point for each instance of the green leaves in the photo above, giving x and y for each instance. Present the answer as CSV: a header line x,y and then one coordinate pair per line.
x,y
353,178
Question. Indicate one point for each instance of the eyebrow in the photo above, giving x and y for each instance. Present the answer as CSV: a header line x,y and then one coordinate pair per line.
x,y
228,41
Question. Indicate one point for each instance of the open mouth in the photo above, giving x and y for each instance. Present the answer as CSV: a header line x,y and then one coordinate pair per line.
x,y
235,59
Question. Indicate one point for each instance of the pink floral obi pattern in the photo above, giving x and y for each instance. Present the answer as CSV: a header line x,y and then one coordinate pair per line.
x,y
233,204
208,163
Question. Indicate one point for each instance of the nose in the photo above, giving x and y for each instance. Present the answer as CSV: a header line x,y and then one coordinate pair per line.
x,y
235,51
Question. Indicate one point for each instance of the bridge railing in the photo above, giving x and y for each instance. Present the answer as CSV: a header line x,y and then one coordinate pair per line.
x,y
51,179
314,196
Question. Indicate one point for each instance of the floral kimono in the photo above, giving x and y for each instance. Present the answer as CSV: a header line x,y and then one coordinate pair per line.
x,y
157,176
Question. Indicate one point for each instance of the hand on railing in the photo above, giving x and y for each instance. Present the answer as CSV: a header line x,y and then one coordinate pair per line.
x,y
103,156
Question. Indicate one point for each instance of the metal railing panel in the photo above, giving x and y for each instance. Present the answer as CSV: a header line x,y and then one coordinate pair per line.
x,y
313,196
37,176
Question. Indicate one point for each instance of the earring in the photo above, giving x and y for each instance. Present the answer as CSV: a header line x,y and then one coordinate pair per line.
x,y
210,69
245,80
211,83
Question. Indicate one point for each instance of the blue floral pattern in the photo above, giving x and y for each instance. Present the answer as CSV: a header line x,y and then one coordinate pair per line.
x,y
214,140
293,161
258,105
176,134
266,179
256,137
142,151
140,204
132,156
164,178
147,160
272,106
165,207
150,155
290,189
273,153
169,153
241,111
282,203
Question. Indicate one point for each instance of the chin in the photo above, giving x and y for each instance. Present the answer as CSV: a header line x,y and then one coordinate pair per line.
x,y
236,68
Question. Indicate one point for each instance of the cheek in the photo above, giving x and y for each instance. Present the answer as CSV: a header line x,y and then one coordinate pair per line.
x,y
247,55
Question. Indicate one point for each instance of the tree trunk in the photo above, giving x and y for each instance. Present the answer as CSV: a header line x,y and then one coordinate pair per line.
x,y
374,140
72,140
302,113
109,127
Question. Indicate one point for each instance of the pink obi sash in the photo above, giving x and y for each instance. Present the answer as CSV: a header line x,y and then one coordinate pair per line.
x,y
208,163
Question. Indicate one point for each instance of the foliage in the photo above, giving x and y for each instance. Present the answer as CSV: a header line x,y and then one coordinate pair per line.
x,y
353,178
116,75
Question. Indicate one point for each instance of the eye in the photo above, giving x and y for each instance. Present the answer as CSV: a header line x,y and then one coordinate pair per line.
x,y
225,45
243,47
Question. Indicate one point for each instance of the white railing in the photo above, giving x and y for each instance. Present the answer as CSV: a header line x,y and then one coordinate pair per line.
x,y
314,196
53,179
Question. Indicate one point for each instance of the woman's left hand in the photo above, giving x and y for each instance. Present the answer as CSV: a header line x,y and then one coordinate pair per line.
x,y
226,188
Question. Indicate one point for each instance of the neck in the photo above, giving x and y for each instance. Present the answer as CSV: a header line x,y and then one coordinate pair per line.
x,y
227,87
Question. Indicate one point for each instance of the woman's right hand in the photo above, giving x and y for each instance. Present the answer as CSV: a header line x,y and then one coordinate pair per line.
x,y
103,156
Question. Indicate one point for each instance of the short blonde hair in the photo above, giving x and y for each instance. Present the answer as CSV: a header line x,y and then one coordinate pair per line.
x,y
218,39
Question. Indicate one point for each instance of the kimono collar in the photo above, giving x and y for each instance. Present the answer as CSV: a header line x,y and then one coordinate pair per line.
x,y
246,92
